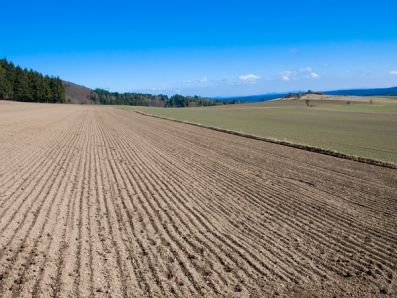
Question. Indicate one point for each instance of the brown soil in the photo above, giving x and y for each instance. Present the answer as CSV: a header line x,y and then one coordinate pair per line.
x,y
96,201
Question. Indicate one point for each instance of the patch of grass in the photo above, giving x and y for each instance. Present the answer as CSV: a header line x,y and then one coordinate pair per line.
x,y
388,97
358,128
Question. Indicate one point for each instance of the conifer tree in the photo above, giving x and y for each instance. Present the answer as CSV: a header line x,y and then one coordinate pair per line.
x,y
28,85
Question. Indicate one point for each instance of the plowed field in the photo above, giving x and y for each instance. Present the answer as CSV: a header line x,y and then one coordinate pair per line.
x,y
96,201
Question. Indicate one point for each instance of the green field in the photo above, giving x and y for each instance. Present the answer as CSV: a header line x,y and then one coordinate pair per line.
x,y
359,128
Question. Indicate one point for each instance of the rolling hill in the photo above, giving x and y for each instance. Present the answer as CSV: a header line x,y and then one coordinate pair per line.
x,y
348,92
76,94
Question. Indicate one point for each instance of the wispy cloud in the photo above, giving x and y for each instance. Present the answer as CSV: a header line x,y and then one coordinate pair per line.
x,y
288,75
301,73
251,78
202,80
393,72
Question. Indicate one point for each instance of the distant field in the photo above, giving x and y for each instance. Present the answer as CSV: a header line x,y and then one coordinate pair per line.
x,y
358,128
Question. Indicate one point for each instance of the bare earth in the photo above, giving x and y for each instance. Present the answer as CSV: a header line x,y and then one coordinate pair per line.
x,y
96,201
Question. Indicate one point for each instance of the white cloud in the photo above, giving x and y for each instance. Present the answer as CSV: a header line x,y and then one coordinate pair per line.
x,y
285,78
301,73
288,75
155,89
393,72
203,80
249,78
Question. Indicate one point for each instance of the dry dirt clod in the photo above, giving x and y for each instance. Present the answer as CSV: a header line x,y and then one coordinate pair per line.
x,y
237,288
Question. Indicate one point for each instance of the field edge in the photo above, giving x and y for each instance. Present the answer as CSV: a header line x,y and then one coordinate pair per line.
x,y
305,147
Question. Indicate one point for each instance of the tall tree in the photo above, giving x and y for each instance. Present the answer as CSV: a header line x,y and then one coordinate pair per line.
x,y
28,85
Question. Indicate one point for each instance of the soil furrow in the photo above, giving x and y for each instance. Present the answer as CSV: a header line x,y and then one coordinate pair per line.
x,y
101,202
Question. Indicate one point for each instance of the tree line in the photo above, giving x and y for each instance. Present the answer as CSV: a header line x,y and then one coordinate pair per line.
x,y
21,84
100,96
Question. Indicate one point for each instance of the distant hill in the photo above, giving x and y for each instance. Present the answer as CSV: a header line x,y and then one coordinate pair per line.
x,y
76,94
349,92
252,98
365,92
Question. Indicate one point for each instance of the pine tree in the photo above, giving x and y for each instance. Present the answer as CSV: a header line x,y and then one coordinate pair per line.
x,y
3,94
8,79
22,91
28,85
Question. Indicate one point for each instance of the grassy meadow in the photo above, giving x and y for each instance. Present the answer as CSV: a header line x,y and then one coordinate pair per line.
x,y
349,125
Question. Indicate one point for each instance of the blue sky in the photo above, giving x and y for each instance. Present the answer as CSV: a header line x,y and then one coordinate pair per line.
x,y
209,48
